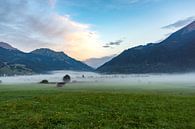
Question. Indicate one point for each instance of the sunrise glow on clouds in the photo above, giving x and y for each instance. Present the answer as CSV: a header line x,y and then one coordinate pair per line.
x,y
42,27
89,28
74,38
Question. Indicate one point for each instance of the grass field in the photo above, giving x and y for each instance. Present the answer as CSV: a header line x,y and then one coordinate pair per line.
x,y
97,106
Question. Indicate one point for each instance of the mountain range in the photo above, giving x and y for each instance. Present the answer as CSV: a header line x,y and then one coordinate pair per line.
x,y
173,55
14,61
97,62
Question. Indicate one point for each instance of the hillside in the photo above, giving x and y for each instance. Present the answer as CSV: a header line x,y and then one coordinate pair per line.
x,y
38,61
174,54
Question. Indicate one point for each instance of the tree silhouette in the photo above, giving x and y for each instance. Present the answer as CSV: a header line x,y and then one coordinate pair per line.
x,y
66,79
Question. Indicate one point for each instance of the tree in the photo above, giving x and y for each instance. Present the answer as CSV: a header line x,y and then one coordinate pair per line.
x,y
66,79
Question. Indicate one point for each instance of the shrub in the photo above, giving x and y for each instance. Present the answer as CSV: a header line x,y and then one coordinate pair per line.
x,y
44,82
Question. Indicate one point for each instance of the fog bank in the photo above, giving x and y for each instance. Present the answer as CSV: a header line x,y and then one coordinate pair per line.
x,y
57,76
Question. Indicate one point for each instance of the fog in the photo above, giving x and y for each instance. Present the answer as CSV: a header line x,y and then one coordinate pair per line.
x,y
56,76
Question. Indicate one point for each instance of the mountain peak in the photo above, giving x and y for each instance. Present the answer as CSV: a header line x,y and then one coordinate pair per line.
x,y
43,50
46,51
42,60
190,27
6,46
173,55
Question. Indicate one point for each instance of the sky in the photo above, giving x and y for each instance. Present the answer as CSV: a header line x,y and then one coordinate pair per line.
x,y
91,28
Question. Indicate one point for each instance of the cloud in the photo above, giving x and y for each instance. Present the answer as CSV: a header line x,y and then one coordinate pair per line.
x,y
52,3
114,43
31,24
180,23
118,42
106,46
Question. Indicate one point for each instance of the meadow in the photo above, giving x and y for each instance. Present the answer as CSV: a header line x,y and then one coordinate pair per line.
x,y
97,106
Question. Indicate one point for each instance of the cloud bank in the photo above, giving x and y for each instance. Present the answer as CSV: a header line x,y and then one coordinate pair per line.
x,y
180,23
31,24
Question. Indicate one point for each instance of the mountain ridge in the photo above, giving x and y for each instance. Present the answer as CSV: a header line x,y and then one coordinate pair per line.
x,y
7,46
174,54
40,60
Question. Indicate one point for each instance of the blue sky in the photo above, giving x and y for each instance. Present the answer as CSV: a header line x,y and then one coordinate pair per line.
x,y
91,28
128,18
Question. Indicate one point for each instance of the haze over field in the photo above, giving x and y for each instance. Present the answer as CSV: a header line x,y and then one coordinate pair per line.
x,y
160,80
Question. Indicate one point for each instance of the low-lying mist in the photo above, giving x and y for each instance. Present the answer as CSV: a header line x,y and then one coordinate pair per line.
x,y
56,76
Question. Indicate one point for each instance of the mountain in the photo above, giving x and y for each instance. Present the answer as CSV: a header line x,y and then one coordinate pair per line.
x,y
96,62
58,60
7,46
8,65
174,54
37,61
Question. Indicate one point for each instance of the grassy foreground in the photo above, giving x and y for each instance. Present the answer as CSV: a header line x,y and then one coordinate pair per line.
x,y
82,107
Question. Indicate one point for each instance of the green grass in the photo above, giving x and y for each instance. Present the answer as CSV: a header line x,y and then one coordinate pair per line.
x,y
97,106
